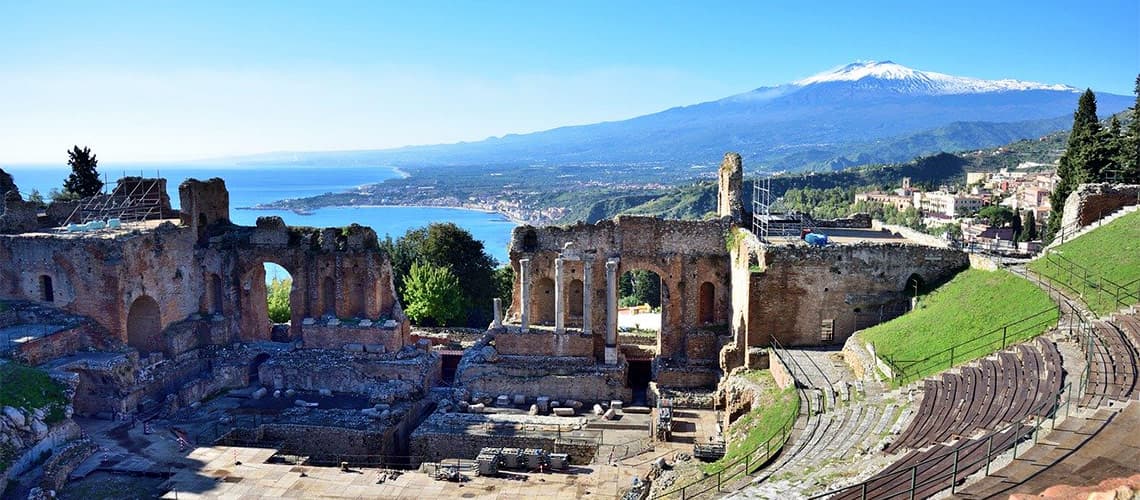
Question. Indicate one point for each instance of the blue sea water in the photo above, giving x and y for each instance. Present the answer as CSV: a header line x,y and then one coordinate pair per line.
x,y
249,186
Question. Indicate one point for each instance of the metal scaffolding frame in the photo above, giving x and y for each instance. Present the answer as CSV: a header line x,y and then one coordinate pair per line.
x,y
769,219
139,201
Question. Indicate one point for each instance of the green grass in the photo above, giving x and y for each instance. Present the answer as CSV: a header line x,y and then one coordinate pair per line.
x,y
963,313
1111,251
749,432
25,387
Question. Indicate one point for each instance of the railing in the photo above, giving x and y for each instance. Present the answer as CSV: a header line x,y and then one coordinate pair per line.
x,y
751,461
1097,290
958,468
994,340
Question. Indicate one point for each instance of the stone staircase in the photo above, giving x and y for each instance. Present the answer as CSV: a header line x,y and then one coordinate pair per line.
x,y
1067,236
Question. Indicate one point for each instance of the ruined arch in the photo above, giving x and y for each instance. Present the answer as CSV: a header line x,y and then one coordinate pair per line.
x,y
706,300
574,298
915,285
544,301
280,305
144,325
640,285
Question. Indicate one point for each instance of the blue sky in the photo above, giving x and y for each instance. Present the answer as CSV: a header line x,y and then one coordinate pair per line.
x,y
164,80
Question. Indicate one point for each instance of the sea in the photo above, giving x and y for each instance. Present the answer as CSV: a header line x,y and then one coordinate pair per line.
x,y
260,184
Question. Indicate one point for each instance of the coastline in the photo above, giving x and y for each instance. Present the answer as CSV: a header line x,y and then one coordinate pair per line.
x,y
504,215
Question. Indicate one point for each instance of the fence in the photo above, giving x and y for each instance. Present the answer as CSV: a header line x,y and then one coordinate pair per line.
x,y
906,371
1098,293
934,474
751,461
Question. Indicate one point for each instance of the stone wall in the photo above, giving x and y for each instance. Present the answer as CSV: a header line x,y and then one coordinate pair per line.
x,y
16,215
389,376
444,436
541,342
1089,202
59,344
799,291
557,378
356,337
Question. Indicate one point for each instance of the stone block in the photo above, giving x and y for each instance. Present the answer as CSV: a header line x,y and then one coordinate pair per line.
x,y
476,408
598,409
533,410
376,348
610,414
308,321
519,399
366,323
543,403
390,324
502,401
615,405
564,412
260,393
334,322
354,347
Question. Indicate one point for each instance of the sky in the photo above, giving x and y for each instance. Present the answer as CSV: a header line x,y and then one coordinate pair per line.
x,y
163,80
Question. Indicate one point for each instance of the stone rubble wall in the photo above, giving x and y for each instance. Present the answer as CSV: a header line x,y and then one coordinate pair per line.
x,y
1089,202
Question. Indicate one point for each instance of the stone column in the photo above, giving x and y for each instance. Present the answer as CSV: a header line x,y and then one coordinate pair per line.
x,y
559,299
498,313
524,298
611,311
587,296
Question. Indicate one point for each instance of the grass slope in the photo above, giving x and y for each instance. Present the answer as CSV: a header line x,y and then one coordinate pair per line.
x,y
968,308
1111,251
751,430
29,388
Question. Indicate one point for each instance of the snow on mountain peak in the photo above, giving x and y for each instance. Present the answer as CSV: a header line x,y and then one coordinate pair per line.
x,y
912,81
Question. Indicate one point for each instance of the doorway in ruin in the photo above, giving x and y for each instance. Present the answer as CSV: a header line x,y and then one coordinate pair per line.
x,y
47,291
638,377
915,286
278,288
450,365
544,302
144,325
574,299
255,367
705,305
639,302
215,294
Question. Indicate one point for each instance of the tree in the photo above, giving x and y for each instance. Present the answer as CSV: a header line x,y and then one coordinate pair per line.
x,y
505,284
1130,150
84,179
1084,159
277,299
997,215
448,245
37,198
1029,226
433,295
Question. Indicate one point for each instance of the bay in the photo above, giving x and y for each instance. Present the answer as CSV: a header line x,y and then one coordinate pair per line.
x,y
249,186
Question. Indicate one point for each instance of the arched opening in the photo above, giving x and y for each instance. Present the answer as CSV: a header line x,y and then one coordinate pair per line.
x,y
47,291
144,325
215,294
359,294
574,299
915,286
328,297
544,302
255,367
706,312
278,288
639,302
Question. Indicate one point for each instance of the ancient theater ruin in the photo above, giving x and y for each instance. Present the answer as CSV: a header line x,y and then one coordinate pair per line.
x,y
154,322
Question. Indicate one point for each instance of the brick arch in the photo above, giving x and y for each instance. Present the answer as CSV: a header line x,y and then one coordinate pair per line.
x,y
144,325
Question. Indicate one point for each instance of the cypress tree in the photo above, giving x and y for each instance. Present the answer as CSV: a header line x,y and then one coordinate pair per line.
x,y
1081,161
1130,154
1029,226
84,179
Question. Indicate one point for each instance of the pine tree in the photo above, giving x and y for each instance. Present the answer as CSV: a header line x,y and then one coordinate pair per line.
x,y
84,179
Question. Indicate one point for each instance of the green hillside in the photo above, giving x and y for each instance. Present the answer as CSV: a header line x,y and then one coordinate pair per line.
x,y
967,313
1111,253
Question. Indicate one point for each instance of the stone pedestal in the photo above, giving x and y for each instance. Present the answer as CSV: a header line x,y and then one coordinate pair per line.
x,y
611,355
524,298
559,299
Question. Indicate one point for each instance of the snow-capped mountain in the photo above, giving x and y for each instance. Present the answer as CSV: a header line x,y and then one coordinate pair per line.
x,y
894,76
859,113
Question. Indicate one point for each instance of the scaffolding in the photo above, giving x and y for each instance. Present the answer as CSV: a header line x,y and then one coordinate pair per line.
x,y
133,199
770,219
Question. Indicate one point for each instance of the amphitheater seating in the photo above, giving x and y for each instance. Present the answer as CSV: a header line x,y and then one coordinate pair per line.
x,y
1112,371
1019,382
